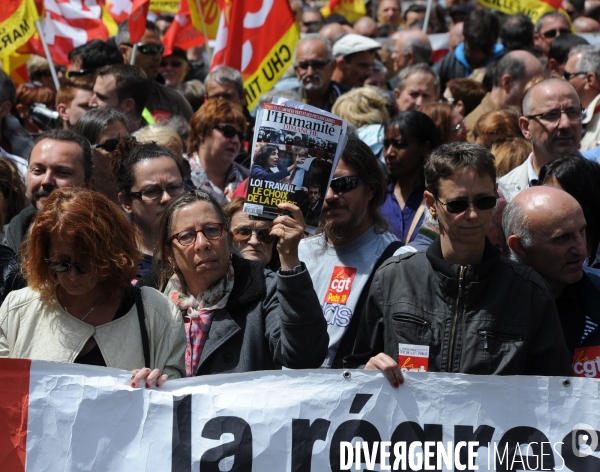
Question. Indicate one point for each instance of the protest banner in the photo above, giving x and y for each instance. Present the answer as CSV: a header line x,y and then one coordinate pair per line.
x,y
17,24
352,10
73,417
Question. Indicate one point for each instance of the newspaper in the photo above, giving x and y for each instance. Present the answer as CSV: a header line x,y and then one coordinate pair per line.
x,y
297,148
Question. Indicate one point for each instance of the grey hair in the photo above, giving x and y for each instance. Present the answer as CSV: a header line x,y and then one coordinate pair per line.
x,y
551,14
421,50
527,104
316,36
510,65
410,70
8,91
515,221
93,122
226,75
589,60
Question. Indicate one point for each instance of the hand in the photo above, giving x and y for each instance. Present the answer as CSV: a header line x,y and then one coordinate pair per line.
x,y
388,366
148,378
289,231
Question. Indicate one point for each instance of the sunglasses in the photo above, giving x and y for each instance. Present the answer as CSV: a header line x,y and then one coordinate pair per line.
x,y
553,32
173,64
568,75
210,231
230,132
148,49
70,74
60,267
244,233
313,64
345,184
111,144
460,206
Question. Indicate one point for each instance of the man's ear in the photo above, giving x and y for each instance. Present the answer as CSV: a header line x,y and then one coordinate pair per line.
x,y
125,203
429,201
126,52
62,112
515,245
592,80
127,106
506,82
460,107
21,110
339,63
524,125
553,66
5,109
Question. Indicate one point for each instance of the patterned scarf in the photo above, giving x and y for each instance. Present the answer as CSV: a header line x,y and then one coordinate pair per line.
x,y
198,313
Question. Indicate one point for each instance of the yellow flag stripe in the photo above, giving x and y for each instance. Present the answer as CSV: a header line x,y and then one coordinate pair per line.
x,y
532,8
16,30
272,67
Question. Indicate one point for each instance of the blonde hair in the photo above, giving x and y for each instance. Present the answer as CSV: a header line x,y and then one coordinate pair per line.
x,y
162,135
361,107
510,153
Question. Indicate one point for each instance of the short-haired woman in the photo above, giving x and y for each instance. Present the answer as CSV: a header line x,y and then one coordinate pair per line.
x,y
79,305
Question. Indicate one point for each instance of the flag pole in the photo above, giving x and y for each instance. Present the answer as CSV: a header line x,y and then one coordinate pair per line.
x,y
427,15
38,25
133,54
201,13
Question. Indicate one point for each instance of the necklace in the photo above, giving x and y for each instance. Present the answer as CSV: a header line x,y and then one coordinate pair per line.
x,y
87,314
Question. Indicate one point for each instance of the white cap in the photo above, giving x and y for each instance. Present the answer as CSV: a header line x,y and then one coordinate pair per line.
x,y
352,43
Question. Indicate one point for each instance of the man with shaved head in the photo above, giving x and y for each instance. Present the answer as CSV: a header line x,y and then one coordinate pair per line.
x,y
367,27
545,229
551,121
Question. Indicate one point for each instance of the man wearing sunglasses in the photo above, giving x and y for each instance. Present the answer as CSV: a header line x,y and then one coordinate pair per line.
x,y
551,121
164,102
353,244
548,27
581,70
173,67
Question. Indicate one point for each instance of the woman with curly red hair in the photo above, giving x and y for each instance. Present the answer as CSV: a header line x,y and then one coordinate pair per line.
x,y
80,306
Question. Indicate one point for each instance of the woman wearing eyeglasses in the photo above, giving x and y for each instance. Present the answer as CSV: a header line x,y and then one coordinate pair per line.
x,y
460,307
448,120
80,306
252,238
148,178
238,316
216,135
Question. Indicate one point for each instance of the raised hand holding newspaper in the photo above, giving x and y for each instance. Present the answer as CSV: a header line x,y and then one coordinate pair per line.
x,y
296,150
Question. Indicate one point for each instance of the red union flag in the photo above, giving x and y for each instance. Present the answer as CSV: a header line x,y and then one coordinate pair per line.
x,y
137,20
352,10
17,24
182,33
256,37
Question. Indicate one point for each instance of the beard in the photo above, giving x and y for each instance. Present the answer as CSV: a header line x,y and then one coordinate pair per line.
x,y
339,232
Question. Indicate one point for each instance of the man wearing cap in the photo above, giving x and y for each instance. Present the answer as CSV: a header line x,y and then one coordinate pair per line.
x,y
174,67
354,57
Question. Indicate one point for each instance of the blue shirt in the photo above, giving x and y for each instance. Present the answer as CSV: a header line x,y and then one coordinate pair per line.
x,y
400,220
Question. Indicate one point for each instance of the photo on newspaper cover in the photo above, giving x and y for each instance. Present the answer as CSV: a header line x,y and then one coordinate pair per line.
x,y
295,153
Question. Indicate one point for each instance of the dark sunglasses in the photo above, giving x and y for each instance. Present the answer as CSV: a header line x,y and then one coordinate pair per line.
x,y
111,144
59,266
70,74
553,32
459,206
244,233
345,184
568,75
313,64
229,132
148,49
174,64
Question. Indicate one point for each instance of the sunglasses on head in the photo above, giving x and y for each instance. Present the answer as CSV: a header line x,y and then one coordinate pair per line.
x,y
459,206
71,74
111,144
174,64
244,233
60,266
553,32
229,132
345,184
148,49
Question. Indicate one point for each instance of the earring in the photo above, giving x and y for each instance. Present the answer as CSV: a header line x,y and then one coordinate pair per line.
x,y
434,214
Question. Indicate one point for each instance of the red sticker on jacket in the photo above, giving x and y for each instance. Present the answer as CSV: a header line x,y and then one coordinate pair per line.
x,y
413,358
586,362
340,285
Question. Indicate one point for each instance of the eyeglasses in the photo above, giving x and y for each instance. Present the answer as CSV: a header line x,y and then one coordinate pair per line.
x,y
573,114
156,193
568,75
111,144
458,127
32,85
210,231
229,132
244,233
148,49
553,32
459,206
313,64
345,184
70,74
60,266
174,64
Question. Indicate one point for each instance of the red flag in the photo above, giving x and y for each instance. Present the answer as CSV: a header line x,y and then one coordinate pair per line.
x,y
258,38
182,33
137,20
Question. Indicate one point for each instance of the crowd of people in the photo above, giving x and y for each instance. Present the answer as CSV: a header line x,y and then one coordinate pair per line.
x,y
461,216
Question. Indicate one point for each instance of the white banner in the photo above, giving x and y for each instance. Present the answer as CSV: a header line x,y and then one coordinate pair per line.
x,y
88,418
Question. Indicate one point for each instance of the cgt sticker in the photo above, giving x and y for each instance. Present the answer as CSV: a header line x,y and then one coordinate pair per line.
x,y
586,362
340,285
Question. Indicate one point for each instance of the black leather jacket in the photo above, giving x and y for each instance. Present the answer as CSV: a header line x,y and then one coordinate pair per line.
x,y
11,275
497,317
